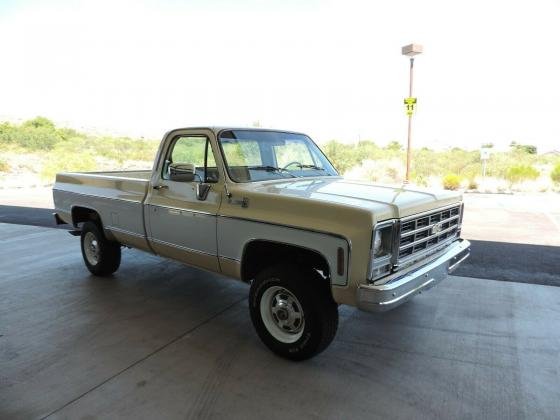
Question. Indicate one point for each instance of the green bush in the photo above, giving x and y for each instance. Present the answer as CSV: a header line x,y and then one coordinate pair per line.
x,y
451,182
520,173
555,174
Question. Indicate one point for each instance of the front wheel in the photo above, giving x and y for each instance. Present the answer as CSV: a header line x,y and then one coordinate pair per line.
x,y
292,311
101,256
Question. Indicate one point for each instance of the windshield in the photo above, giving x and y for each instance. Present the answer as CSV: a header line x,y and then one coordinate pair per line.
x,y
253,155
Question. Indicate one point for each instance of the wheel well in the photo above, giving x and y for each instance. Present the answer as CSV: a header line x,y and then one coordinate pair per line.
x,y
260,254
84,214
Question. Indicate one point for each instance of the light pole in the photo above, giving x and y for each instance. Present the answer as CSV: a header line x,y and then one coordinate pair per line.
x,y
410,51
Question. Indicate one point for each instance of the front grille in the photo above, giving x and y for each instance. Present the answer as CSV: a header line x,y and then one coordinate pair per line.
x,y
426,231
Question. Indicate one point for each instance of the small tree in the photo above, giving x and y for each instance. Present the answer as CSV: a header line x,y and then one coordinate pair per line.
x,y
555,174
527,148
39,122
394,145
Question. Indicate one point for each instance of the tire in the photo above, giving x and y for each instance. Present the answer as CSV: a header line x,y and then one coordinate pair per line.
x,y
279,297
101,256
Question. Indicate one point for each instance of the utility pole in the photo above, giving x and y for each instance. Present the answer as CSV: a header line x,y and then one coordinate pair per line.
x,y
410,51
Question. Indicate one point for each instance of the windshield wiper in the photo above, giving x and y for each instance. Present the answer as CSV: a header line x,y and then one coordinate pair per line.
x,y
318,168
269,168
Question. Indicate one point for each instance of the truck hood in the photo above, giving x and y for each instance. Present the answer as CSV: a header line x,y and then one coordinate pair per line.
x,y
383,201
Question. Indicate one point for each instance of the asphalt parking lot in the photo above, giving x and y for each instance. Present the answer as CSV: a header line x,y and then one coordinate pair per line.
x,y
161,340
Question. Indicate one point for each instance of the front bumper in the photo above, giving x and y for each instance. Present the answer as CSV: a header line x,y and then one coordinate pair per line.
x,y
383,297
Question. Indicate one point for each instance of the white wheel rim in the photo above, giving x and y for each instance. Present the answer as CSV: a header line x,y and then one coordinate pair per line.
x,y
91,248
282,314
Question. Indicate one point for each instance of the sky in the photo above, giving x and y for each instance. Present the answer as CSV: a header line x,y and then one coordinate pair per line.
x,y
332,69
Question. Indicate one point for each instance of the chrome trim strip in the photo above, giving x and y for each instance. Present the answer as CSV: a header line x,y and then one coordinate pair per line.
x,y
140,201
427,238
184,248
411,292
181,209
413,258
229,258
120,178
413,232
455,265
126,232
425,213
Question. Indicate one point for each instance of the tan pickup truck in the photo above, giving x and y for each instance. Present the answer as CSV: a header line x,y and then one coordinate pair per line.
x,y
268,208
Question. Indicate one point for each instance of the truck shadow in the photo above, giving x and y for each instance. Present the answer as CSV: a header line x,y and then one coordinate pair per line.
x,y
522,263
32,216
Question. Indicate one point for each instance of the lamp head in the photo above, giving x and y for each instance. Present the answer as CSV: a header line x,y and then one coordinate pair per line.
x,y
411,50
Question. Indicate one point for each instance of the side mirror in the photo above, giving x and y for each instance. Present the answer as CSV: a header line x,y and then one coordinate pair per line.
x,y
182,172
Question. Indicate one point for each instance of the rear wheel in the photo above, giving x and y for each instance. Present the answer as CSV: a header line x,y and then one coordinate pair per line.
x,y
292,311
101,256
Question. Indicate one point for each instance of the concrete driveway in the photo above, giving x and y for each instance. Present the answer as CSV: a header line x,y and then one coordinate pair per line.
x,y
160,340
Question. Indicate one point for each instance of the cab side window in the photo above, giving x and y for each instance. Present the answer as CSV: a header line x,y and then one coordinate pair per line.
x,y
195,150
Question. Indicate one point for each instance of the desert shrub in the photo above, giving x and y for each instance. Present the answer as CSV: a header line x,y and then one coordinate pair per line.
x,y
36,139
555,174
473,185
451,182
520,173
33,135
4,167
64,161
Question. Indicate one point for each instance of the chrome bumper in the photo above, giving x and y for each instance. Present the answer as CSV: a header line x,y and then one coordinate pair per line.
x,y
383,297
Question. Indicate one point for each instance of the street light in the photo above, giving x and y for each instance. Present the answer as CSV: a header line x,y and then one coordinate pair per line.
x,y
410,51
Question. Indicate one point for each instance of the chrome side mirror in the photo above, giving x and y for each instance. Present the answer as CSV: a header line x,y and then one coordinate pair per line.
x,y
186,172
181,172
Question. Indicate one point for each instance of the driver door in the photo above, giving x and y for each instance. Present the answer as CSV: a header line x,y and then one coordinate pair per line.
x,y
181,221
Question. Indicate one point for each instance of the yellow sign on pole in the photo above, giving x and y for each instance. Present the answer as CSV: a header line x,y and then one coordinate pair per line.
x,y
409,104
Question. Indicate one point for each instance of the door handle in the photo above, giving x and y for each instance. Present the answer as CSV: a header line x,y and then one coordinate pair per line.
x,y
160,187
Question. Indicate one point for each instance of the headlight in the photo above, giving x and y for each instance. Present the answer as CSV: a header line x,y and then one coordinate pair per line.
x,y
381,250
382,240
377,242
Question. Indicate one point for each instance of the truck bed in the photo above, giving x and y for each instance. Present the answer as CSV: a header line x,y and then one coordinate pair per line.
x,y
117,196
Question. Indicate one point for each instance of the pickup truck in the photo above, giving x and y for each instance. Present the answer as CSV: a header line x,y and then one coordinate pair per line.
x,y
268,208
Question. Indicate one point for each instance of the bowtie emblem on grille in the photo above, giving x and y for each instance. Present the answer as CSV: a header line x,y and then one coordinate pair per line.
x,y
437,228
